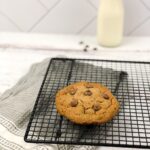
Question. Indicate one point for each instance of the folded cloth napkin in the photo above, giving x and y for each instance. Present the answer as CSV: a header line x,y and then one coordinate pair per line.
x,y
16,104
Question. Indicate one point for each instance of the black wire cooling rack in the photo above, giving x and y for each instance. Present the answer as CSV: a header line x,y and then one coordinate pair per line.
x,y
129,82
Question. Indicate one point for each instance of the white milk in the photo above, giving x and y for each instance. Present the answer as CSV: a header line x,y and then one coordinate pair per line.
x,y
110,22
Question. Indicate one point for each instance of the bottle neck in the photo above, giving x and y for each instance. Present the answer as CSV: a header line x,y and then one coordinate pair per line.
x,y
112,2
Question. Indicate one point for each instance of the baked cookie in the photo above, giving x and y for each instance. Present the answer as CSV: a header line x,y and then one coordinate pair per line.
x,y
87,103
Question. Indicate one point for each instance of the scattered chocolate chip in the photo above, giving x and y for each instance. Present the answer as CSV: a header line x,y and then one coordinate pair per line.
x,y
88,93
74,102
85,50
95,49
105,96
87,46
81,42
89,86
96,106
73,91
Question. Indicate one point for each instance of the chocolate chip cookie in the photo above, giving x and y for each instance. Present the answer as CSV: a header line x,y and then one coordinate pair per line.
x,y
87,103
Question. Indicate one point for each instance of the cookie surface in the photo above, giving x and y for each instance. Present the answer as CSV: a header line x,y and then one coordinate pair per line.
x,y
87,103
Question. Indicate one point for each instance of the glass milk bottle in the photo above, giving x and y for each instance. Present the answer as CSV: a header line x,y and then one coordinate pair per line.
x,y
110,23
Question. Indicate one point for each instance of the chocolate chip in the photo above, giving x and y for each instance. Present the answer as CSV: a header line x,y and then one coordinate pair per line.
x,y
85,50
81,42
105,96
73,91
89,86
74,102
88,93
95,49
87,46
96,106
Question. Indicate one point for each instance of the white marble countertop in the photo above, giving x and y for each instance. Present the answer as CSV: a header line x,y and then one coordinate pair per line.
x,y
19,51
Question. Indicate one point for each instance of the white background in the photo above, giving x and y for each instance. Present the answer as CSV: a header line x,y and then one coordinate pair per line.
x,y
68,16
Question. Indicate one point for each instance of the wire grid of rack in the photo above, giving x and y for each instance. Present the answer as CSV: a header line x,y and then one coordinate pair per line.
x,y
128,81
